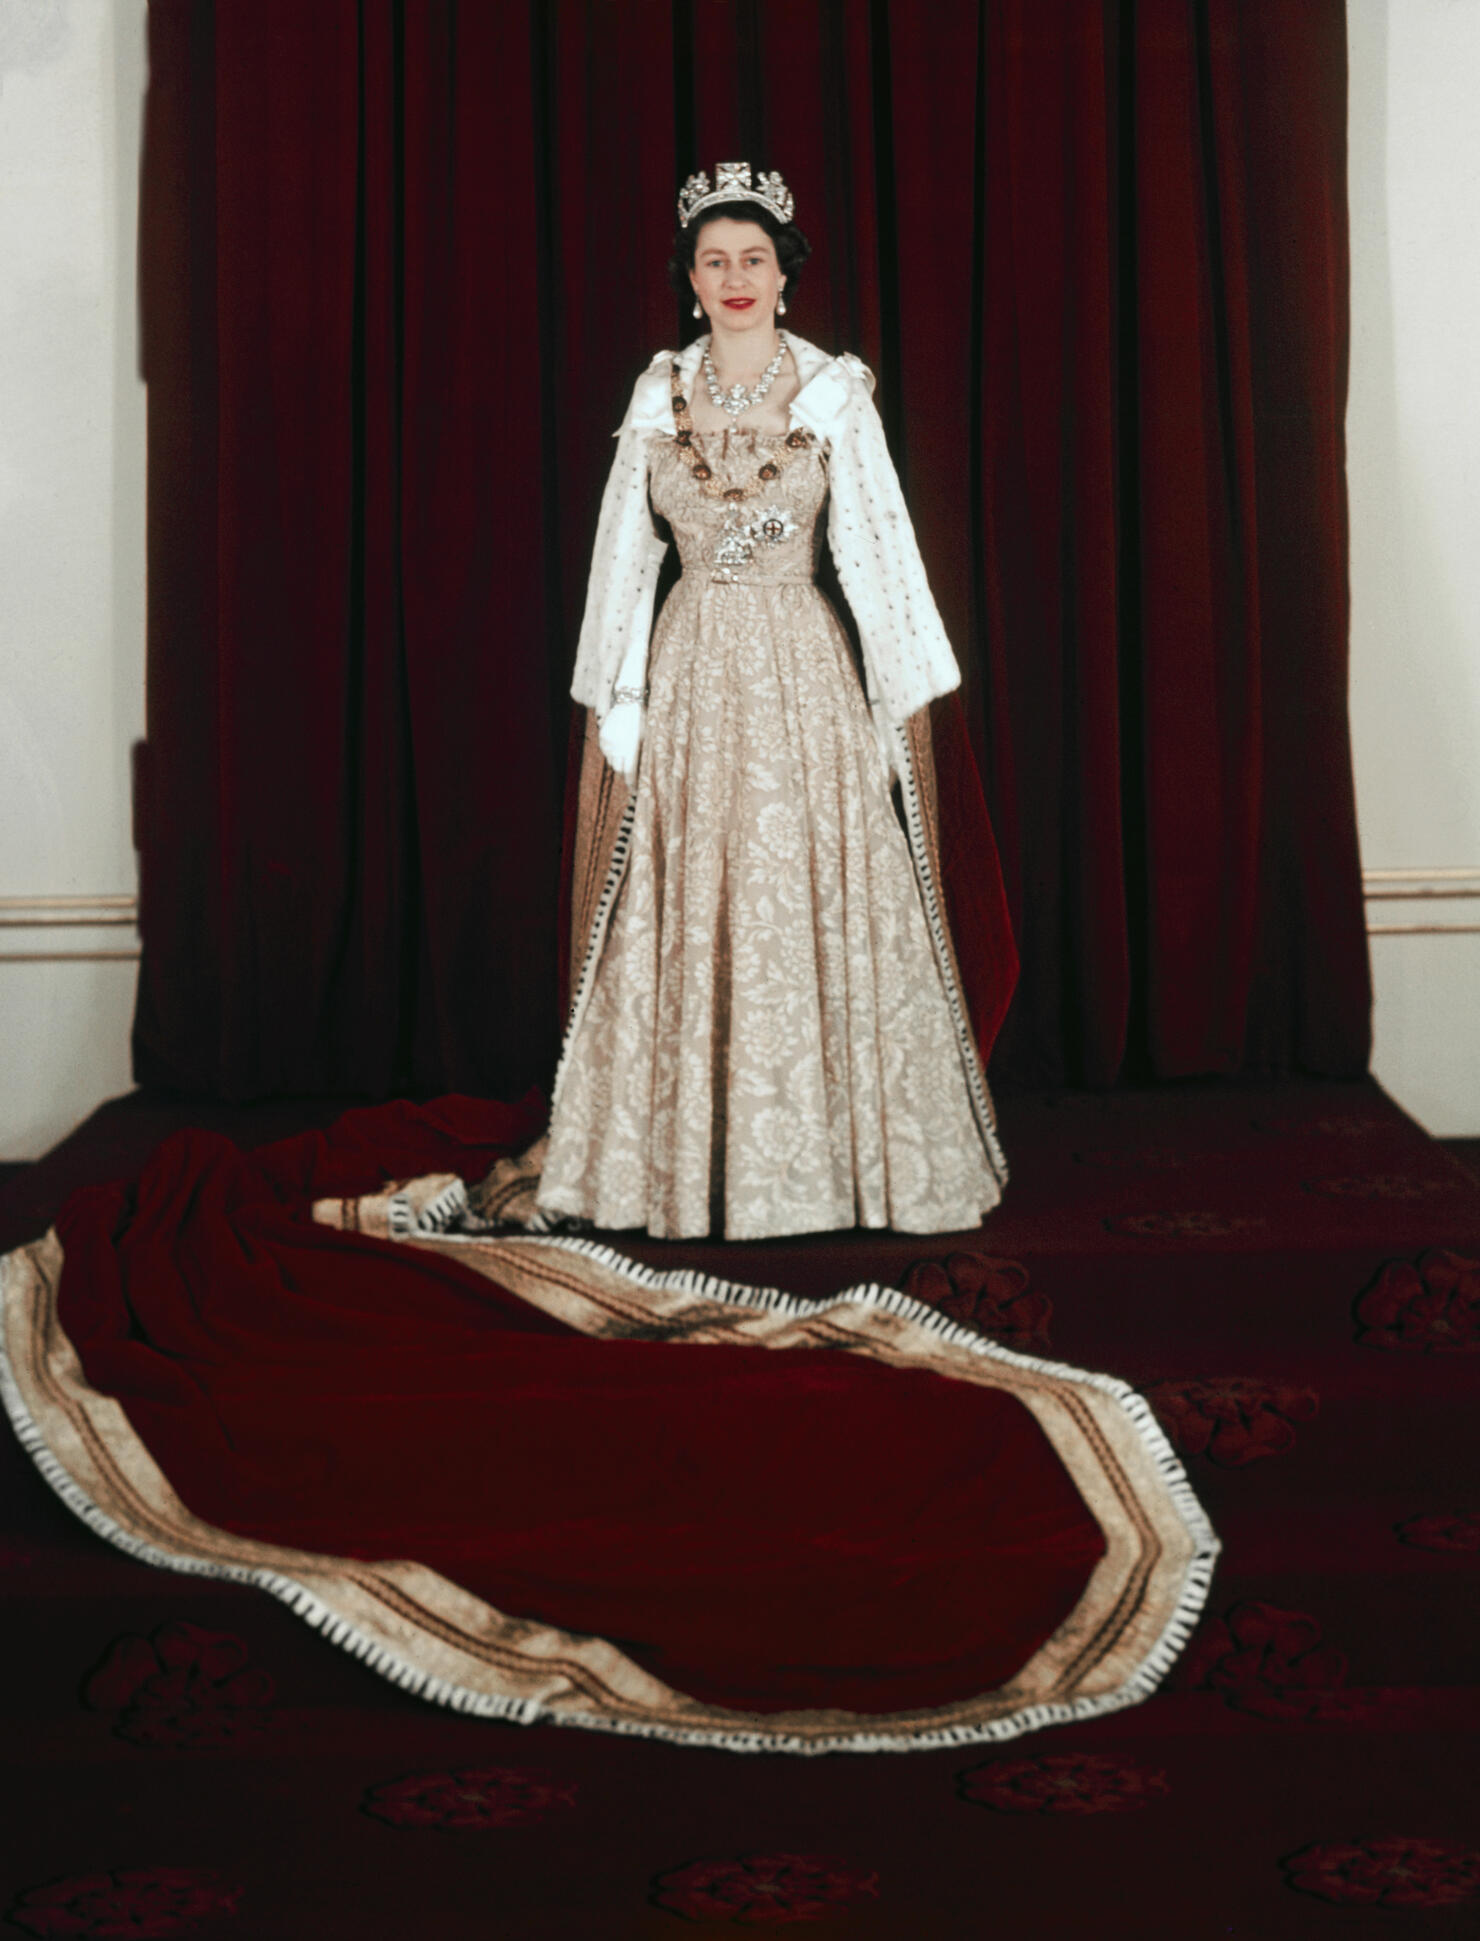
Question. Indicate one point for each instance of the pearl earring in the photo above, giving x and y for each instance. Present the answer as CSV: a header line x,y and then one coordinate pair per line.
x,y
781,304
698,308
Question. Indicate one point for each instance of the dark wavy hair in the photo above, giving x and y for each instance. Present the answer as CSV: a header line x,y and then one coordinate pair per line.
x,y
792,247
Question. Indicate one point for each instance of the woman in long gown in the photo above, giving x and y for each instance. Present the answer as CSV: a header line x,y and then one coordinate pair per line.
x,y
522,1475
769,1036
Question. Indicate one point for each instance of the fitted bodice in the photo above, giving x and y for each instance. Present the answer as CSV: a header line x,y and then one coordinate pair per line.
x,y
772,535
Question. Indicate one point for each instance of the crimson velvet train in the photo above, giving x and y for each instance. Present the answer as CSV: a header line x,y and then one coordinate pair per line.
x,y
400,266
771,1530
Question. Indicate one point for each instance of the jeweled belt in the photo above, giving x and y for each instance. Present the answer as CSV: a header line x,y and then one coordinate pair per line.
x,y
740,576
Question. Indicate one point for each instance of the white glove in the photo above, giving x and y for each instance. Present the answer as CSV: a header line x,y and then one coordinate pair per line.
x,y
621,738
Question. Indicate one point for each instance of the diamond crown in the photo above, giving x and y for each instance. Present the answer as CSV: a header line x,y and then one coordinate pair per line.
x,y
732,183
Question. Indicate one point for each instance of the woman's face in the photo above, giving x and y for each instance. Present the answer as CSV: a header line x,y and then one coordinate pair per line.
x,y
736,276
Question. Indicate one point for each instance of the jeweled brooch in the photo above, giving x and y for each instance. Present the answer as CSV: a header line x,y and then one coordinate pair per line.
x,y
773,523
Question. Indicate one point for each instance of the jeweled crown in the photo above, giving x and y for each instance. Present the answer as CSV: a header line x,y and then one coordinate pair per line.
x,y
732,183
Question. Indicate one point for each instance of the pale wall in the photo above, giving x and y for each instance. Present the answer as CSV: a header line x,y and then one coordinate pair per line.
x,y
1414,468
72,76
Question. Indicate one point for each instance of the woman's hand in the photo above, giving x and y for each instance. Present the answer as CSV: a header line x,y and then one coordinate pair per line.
x,y
621,738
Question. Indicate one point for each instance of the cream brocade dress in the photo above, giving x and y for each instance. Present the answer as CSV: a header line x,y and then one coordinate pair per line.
x,y
766,1047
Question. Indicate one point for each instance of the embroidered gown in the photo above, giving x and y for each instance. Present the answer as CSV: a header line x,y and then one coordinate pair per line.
x,y
766,1045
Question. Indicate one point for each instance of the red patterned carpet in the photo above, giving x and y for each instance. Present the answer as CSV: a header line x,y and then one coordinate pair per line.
x,y
1292,1273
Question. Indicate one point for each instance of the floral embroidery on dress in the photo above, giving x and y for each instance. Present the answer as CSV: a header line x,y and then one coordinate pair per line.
x,y
767,1047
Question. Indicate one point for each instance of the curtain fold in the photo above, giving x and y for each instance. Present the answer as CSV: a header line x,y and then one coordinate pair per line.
x,y
400,263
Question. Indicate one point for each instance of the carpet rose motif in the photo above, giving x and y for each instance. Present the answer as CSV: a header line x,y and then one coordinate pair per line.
x,y
1395,1871
1334,1125
1430,1306
1272,1663
140,1902
183,1687
1382,1186
473,1796
990,1295
1441,1530
763,1889
1063,1782
1193,1225
1133,1159
1233,1419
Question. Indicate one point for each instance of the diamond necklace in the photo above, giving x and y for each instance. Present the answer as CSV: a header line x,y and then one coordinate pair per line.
x,y
772,465
737,398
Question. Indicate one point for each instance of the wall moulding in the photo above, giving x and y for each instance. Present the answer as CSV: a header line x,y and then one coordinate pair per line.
x,y
1446,885
121,911
48,913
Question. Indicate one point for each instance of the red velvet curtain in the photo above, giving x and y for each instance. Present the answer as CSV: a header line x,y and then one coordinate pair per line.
x,y
401,262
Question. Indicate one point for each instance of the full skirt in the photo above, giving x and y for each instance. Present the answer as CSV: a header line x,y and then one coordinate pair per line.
x,y
767,1047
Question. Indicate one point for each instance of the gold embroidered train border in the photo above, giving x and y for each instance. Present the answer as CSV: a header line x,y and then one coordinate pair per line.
x,y
436,1639
604,816
590,1291
920,803
919,734
600,800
